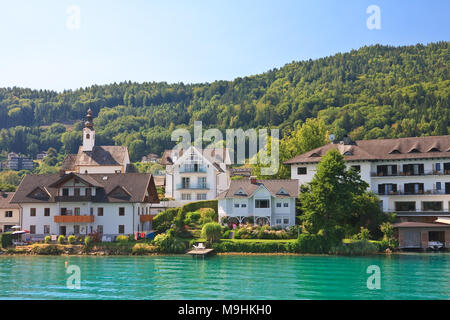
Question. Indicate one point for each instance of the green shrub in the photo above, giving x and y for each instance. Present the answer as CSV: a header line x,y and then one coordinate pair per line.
x,y
208,215
122,238
364,234
71,239
356,248
255,246
163,221
6,239
226,234
168,243
47,239
192,217
88,241
313,243
143,248
212,231
61,239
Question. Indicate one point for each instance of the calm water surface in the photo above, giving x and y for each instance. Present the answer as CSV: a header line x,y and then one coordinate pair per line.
x,y
406,276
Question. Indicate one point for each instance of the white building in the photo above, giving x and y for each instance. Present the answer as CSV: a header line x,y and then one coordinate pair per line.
x,y
95,191
79,204
194,175
266,201
410,175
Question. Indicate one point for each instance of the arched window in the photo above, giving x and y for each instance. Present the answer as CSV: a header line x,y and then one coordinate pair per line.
x,y
88,136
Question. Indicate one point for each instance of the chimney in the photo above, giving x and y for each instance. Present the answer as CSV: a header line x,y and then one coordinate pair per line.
x,y
253,180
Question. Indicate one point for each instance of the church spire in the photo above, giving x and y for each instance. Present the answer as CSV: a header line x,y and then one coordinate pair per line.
x,y
88,133
89,124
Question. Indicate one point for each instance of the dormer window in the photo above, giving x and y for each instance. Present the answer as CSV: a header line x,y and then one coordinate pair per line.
x,y
348,153
414,150
282,192
314,155
395,151
434,150
240,192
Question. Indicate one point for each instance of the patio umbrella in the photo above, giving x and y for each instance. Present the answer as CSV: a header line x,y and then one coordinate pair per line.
x,y
16,227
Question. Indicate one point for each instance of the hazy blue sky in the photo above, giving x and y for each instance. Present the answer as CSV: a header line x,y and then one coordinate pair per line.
x,y
193,40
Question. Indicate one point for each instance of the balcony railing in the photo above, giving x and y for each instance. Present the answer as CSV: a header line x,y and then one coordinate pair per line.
x,y
192,169
146,217
420,212
73,198
409,173
191,186
403,193
74,219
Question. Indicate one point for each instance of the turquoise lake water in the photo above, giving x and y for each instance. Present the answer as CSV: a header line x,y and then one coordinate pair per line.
x,y
405,276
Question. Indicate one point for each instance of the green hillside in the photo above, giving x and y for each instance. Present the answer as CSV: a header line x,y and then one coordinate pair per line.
x,y
374,92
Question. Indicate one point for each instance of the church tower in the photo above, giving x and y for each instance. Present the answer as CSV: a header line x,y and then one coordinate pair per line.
x,y
88,133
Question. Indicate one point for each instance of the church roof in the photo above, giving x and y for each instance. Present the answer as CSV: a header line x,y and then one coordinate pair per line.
x,y
99,156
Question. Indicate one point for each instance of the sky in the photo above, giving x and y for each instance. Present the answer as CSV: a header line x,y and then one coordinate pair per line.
x,y
64,44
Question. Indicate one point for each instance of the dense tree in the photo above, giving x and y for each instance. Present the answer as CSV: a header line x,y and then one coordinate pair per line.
x,y
336,201
374,92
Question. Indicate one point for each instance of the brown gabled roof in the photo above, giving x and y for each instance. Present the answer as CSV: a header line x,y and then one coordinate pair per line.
x,y
412,224
136,184
382,149
102,156
69,162
291,188
5,197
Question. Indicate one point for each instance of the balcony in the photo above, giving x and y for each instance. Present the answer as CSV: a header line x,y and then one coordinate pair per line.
x,y
191,186
146,217
410,174
193,169
421,213
420,192
73,198
74,219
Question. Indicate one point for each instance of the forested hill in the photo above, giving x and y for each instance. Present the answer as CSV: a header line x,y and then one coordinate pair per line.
x,y
374,92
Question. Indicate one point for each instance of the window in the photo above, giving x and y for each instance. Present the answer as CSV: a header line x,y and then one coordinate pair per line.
x,y
278,204
88,191
91,211
46,229
77,211
432,205
438,186
100,212
32,229
438,167
278,221
202,182
88,136
262,204
405,206
121,228
63,211
76,192
286,204
201,196
301,170
285,221
47,212
8,214
357,168
185,182
100,228
139,211
32,212
236,205
243,205
185,196
121,211
76,229
65,191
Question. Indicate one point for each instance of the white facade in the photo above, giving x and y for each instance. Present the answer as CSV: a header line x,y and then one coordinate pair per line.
x,y
263,206
193,177
412,187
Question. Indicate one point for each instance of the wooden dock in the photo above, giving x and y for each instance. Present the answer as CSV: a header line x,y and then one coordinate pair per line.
x,y
201,252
